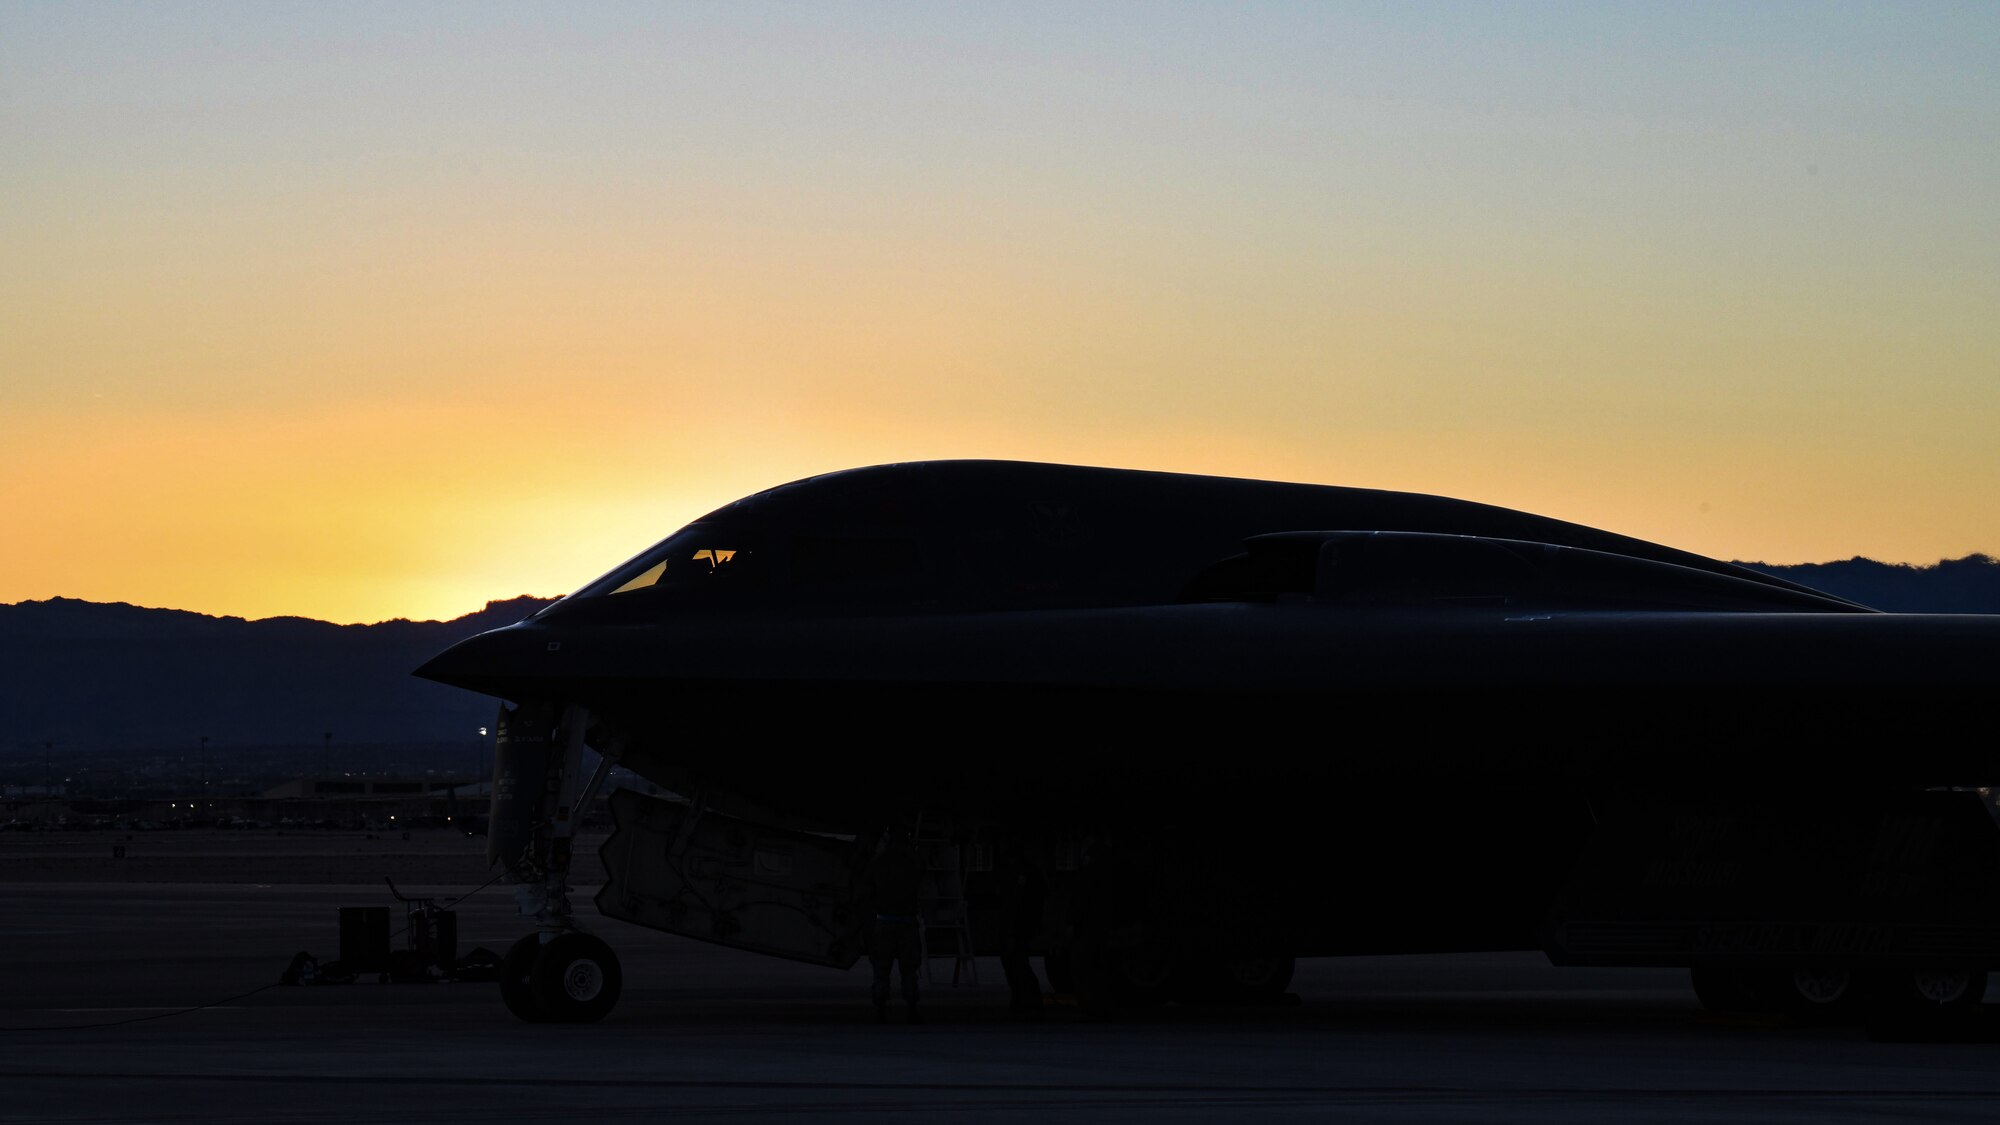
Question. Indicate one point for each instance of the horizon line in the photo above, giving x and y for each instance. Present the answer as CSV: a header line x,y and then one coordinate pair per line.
x,y
1968,557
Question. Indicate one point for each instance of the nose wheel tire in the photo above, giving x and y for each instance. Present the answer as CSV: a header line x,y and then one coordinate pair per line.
x,y
576,979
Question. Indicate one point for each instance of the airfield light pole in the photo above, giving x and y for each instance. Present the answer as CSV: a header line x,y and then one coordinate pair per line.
x,y
326,754
478,755
204,767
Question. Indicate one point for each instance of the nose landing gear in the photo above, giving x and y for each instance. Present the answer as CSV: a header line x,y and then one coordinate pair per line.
x,y
572,977
557,974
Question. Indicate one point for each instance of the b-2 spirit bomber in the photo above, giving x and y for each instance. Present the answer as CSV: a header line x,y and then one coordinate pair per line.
x,y
1238,723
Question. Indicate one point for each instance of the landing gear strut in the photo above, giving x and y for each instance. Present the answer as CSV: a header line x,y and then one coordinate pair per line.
x,y
558,974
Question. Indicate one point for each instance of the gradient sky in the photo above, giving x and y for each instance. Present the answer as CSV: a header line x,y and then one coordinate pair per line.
x,y
369,310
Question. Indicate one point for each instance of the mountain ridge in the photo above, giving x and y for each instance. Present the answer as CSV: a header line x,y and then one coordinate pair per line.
x,y
109,615
114,676
1969,584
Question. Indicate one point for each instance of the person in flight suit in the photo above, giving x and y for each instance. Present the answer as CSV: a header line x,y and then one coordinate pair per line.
x,y
895,895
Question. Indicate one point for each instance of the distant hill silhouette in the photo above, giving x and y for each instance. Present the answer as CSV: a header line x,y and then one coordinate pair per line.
x,y
96,676
1967,585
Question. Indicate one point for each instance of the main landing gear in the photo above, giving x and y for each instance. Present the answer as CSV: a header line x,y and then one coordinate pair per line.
x,y
1922,1002
558,974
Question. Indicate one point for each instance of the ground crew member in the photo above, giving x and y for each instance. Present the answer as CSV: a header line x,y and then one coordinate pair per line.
x,y
895,895
1023,890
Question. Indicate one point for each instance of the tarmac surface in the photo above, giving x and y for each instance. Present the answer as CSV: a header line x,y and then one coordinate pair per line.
x,y
709,1031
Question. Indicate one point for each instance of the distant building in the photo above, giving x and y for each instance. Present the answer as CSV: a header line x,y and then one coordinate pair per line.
x,y
364,788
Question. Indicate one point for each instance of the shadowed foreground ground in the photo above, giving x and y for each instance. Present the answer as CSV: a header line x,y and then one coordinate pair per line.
x,y
711,1031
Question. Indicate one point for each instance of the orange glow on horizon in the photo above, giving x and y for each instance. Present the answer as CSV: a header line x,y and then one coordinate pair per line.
x,y
349,313
381,512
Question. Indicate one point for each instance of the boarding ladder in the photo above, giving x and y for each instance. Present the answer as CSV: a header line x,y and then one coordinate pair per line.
x,y
947,923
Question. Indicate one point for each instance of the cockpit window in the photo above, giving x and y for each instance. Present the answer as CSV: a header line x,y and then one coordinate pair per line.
x,y
699,556
685,568
648,577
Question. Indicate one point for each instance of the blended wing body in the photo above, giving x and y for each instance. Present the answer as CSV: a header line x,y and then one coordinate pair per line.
x,y
1341,687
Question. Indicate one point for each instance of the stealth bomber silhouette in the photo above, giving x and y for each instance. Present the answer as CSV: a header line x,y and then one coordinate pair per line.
x,y
1239,722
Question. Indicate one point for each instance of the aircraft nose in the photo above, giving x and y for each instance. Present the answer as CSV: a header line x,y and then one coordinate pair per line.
x,y
484,663
453,665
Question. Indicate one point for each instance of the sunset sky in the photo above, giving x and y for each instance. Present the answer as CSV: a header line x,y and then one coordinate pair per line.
x,y
359,311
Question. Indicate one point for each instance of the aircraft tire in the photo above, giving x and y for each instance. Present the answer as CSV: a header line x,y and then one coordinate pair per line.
x,y
1924,1004
516,974
1141,979
1108,980
576,979
1811,992
1254,980
1221,978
